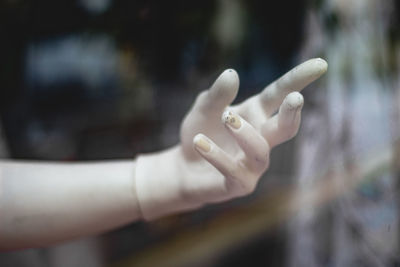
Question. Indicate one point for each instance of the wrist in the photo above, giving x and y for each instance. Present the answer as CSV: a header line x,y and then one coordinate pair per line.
x,y
159,184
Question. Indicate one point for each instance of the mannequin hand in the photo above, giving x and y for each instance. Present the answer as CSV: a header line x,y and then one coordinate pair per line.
x,y
225,149
238,147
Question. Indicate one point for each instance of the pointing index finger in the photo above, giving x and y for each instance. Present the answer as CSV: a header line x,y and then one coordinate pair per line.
x,y
294,80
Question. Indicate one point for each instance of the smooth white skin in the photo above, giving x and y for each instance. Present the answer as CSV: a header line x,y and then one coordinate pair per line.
x,y
186,177
43,203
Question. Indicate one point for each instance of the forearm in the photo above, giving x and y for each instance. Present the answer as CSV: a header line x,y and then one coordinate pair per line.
x,y
44,203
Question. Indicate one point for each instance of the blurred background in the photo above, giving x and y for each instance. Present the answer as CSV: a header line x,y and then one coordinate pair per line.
x,y
101,79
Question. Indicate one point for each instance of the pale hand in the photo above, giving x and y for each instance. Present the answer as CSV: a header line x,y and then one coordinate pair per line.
x,y
224,149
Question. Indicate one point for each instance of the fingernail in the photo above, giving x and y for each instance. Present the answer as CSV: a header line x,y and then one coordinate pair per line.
x,y
201,143
231,119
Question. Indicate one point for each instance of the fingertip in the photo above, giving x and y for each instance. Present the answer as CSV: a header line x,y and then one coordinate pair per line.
x,y
290,112
231,119
230,74
321,65
228,79
294,100
221,94
197,138
225,88
315,67
201,142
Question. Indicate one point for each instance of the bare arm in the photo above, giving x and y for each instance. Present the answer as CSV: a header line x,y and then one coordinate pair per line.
x,y
44,203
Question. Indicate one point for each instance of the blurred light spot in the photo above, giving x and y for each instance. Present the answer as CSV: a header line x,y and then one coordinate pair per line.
x,y
96,6
90,61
